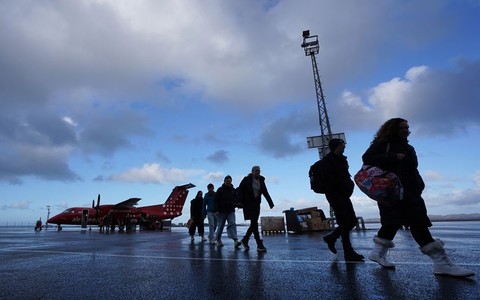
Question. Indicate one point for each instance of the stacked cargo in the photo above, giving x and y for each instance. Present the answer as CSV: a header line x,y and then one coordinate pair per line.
x,y
307,219
271,225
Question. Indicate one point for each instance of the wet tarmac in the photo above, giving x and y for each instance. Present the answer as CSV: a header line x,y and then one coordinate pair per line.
x,y
86,264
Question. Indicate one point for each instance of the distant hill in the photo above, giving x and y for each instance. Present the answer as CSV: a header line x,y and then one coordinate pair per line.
x,y
440,218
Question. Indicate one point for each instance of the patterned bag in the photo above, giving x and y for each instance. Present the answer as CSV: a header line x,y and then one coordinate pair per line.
x,y
379,185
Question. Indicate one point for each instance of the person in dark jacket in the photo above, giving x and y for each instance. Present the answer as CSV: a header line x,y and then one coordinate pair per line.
x,y
250,194
339,188
224,207
197,216
390,151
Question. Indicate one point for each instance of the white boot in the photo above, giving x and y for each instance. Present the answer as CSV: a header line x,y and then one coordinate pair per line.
x,y
380,251
441,263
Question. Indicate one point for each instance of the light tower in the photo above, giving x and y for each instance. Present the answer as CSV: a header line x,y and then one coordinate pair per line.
x,y
311,47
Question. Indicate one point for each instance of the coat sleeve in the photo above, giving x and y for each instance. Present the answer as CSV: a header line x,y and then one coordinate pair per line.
x,y
266,194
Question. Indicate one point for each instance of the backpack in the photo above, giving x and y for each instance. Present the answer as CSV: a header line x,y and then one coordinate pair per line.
x,y
317,174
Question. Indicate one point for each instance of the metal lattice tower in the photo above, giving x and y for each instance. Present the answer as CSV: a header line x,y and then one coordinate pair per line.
x,y
311,47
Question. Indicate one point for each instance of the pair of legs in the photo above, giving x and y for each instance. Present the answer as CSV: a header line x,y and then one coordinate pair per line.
x,y
212,225
442,265
231,226
253,229
420,233
346,221
197,224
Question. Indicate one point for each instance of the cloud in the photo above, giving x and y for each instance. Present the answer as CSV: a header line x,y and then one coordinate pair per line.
x,y
154,173
21,205
281,137
214,177
219,157
432,175
74,84
424,96
106,133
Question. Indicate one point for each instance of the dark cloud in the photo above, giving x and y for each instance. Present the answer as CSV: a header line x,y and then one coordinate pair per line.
x,y
41,162
286,136
218,157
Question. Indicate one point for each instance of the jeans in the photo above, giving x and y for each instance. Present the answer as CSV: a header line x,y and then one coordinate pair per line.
x,y
231,227
212,224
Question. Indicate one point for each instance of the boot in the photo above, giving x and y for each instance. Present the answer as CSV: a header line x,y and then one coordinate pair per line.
x,y
441,263
349,253
380,251
245,243
330,240
260,246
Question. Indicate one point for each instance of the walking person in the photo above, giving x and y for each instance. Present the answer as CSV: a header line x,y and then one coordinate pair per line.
x,y
208,210
339,188
197,216
250,194
391,151
224,207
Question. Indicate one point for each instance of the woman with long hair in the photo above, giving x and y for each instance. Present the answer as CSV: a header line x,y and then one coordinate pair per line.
x,y
391,151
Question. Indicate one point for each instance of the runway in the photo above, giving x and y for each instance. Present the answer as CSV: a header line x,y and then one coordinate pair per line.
x,y
86,264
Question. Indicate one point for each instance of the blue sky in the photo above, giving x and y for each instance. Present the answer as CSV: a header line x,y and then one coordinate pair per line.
x,y
130,98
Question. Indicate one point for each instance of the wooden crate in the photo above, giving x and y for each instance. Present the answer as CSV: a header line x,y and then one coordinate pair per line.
x,y
272,225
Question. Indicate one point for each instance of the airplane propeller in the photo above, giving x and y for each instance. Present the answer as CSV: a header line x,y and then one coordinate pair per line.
x,y
96,207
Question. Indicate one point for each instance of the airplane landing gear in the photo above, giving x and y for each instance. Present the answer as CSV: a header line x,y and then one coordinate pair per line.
x,y
59,227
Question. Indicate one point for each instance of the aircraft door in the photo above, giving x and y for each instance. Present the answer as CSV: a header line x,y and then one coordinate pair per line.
x,y
84,218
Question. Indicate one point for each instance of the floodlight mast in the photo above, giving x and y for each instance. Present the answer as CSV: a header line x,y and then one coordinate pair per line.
x,y
311,47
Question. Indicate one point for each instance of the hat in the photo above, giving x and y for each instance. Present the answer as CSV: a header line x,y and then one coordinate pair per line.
x,y
334,143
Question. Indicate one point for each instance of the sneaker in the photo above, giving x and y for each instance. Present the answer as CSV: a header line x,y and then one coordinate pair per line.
x,y
212,241
261,247
219,243
237,244
192,238
245,244
203,238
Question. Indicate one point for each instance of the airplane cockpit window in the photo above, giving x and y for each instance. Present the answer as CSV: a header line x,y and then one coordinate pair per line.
x,y
68,211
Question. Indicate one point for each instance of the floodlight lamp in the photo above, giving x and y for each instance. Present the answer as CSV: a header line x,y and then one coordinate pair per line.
x,y
306,34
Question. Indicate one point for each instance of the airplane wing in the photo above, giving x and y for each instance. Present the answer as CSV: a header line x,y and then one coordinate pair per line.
x,y
128,203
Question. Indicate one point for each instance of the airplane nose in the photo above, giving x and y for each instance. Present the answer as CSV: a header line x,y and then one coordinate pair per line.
x,y
53,219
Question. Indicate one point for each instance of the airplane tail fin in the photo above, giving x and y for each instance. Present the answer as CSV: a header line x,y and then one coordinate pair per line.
x,y
173,207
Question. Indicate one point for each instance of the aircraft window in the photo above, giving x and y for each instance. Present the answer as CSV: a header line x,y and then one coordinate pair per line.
x,y
67,211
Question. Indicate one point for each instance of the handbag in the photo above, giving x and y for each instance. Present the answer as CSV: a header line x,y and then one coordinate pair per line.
x,y
379,185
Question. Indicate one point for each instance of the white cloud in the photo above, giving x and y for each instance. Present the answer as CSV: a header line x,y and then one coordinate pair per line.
x,y
22,205
154,173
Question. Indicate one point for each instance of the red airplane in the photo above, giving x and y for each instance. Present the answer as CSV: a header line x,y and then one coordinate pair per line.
x,y
124,213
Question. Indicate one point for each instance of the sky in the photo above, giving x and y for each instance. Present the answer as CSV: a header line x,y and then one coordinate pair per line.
x,y
131,98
